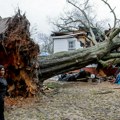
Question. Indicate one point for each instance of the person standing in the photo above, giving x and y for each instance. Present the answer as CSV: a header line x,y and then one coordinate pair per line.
x,y
3,90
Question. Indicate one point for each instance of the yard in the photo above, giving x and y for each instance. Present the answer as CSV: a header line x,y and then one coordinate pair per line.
x,y
68,101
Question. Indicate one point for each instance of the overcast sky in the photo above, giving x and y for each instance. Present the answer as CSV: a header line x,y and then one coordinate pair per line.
x,y
38,11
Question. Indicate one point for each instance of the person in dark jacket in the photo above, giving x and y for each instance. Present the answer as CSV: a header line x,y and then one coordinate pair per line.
x,y
3,89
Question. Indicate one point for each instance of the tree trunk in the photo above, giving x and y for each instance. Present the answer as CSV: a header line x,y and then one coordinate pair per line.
x,y
67,61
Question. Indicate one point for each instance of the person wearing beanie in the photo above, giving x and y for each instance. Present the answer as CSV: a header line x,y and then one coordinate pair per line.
x,y
3,90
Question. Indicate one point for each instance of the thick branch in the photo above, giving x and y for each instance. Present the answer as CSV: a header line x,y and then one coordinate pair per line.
x,y
111,56
110,62
113,34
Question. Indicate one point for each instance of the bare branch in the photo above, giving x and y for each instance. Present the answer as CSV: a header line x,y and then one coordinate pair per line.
x,y
83,12
112,10
86,3
85,15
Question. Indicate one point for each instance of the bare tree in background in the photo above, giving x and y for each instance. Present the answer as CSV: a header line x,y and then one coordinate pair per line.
x,y
83,16
46,43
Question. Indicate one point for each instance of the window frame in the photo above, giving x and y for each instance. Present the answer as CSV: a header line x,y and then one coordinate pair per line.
x,y
72,46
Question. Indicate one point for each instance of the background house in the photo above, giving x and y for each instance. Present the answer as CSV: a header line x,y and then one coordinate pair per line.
x,y
68,41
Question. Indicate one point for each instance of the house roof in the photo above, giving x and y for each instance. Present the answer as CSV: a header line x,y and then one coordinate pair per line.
x,y
70,35
3,24
82,30
63,35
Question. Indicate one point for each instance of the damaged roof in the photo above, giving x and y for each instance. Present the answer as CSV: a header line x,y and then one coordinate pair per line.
x,y
4,24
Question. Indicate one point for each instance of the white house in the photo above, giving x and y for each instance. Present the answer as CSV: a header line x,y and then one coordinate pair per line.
x,y
67,41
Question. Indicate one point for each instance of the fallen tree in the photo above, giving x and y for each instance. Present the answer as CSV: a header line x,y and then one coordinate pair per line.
x,y
25,73
67,61
104,50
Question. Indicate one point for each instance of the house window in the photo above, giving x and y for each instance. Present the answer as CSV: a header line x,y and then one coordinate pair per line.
x,y
71,45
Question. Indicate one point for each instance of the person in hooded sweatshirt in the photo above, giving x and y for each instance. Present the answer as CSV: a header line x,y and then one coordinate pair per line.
x,y
3,90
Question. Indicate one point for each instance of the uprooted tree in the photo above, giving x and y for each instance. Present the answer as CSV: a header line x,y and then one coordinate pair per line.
x,y
18,53
25,72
